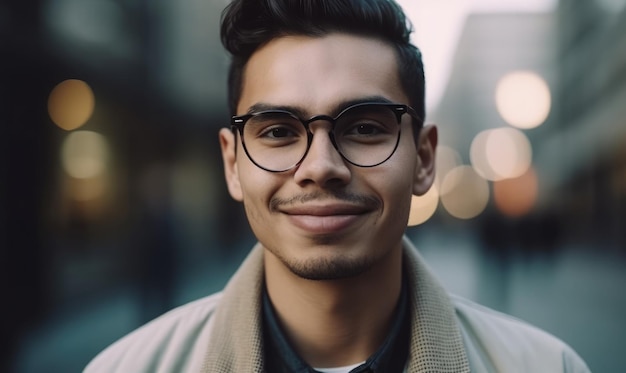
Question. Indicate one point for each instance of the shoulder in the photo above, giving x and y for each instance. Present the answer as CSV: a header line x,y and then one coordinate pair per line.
x,y
496,325
175,340
510,344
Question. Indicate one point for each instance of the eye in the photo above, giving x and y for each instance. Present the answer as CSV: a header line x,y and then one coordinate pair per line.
x,y
364,129
278,132
274,130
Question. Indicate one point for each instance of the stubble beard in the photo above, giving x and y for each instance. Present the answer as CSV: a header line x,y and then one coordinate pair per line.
x,y
324,268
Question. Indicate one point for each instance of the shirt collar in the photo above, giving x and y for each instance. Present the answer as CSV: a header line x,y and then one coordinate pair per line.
x,y
390,357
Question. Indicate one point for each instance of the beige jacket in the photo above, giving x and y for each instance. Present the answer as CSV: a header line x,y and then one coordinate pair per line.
x,y
222,333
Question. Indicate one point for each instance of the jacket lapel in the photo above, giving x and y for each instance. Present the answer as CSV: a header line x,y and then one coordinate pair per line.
x,y
436,340
236,339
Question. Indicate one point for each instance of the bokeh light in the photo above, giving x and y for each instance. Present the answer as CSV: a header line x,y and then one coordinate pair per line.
x,y
71,104
446,159
464,193
508,152
478,156
501,153
517,197
523,99
423,207
84,190
84,154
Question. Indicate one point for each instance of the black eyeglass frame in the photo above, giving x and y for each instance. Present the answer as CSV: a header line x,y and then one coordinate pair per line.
x,y
239,121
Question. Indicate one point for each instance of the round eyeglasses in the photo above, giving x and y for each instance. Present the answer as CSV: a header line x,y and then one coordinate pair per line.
x,y
365,134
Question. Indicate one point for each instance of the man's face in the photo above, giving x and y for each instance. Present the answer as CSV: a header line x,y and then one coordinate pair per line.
x,y
327,218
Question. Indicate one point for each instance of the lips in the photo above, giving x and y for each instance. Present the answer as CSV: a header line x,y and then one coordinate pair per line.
x,y
325,219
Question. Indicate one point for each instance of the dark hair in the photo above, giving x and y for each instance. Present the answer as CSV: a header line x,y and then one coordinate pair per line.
x,y
249,24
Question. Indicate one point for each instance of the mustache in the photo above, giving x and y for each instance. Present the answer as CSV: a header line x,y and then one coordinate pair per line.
x,y
370,202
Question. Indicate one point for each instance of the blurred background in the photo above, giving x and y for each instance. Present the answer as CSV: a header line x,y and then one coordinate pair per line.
x,y
113,208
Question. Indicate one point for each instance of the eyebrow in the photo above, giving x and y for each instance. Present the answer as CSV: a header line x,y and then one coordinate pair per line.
x,y
300,112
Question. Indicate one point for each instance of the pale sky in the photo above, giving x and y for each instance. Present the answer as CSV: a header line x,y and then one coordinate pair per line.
x,y
438,24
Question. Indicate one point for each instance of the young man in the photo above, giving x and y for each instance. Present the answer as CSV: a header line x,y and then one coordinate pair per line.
x,y
326,148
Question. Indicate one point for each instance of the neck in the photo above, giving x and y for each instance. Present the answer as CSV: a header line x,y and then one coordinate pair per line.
x,y
335,322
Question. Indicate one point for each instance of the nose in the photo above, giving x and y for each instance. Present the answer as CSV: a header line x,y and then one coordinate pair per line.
x,y
323,165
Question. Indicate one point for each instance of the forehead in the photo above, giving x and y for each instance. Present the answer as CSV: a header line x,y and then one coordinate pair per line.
x,y
315,73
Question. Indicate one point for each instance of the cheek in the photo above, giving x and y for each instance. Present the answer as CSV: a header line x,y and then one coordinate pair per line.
x,y
257,187
397,182
256,212
400,201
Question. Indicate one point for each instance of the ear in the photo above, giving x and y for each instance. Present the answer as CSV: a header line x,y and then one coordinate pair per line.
x,y
425,168
228,144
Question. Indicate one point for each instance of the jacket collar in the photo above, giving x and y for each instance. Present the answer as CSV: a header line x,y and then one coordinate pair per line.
x,y
236,340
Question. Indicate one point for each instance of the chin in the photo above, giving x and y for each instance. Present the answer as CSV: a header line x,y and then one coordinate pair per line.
x,y
321,269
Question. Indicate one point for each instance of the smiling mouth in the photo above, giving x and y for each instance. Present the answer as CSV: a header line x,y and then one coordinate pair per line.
x,y
323,224
326,212
325,219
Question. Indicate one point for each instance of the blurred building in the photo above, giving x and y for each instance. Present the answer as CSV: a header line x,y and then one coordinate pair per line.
x,y
591,142
578,152
132,192
492,47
